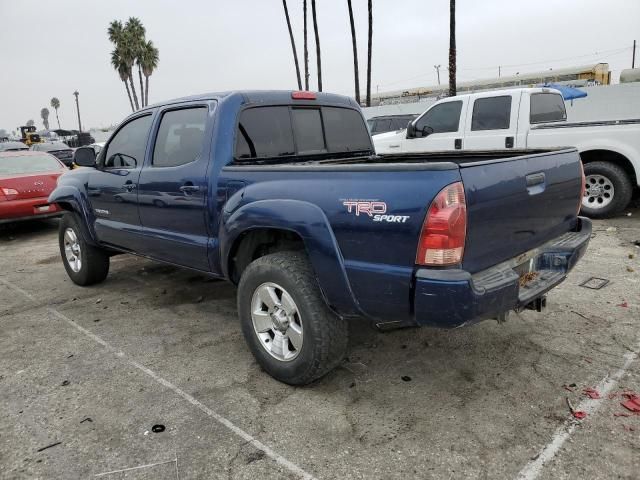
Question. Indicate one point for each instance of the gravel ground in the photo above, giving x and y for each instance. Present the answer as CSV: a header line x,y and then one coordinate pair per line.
x,y
88,372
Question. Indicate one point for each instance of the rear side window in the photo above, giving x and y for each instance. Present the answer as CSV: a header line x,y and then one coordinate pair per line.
x,y
547,107
307,127
382,125
441,118
264,132
126,148
345,130
179,137
493,113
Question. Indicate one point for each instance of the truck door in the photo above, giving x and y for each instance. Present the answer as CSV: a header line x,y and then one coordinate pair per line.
x,y
492,122
173,188
112,187
438,129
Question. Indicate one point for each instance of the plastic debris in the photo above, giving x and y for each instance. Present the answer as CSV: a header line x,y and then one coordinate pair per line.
x,y
86,419
621,414
628,428
632,403
99,300
158,428
612,229
623,304
579,414
591,393
594,283
65,383
630,269
406,378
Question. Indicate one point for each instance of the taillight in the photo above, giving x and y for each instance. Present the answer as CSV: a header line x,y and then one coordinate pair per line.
x,y
444,229
582,189
9,193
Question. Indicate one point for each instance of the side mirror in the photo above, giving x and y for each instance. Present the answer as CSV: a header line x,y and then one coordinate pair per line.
x,y
411,130
84,157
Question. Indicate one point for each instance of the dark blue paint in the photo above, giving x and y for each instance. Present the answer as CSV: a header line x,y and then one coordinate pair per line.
x,y
364,268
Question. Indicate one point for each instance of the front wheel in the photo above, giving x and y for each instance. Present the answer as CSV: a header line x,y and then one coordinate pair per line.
x,y
289,328
84,263
608,190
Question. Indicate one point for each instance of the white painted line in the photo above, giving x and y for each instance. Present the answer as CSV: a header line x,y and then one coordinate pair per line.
x,y
292,467
534,468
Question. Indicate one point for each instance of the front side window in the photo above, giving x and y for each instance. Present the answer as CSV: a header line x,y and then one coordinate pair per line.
x,y
264,132
345,130
383,125
441,118
493,113
547,107
126,148
180,137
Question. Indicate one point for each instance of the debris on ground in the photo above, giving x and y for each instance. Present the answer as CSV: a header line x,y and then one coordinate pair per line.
x,y
406,378
611,229
579,414
99,300
628,428
594,283
158,428
49,446
632,403
621,414
631,256
592,393
86,419
65,383
623,304
630,269
568,388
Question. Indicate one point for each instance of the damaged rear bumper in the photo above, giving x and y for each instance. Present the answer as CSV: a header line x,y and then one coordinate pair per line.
x,y
454,297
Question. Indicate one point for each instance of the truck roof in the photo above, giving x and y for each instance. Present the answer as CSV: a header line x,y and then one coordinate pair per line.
x,y
262,96
506,91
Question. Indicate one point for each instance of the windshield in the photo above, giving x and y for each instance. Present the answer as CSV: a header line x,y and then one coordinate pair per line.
x,y
25,164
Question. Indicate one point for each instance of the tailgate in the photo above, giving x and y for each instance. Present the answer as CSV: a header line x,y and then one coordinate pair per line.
x,y
514,205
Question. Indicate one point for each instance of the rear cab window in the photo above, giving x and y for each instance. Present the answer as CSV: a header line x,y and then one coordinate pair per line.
x,y
547,107
292,131
491,113
441,118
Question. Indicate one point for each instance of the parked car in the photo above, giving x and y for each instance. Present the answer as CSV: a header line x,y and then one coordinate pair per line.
x,y
530,118
58,149
12,146
26,180
389,123
288,201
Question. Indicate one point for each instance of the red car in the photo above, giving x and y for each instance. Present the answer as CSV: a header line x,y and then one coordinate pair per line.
x,y
26,180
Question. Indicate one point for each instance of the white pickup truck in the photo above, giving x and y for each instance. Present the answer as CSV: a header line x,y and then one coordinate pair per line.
x,y
530,118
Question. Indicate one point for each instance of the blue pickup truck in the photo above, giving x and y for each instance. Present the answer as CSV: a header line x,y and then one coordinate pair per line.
x,y
282,194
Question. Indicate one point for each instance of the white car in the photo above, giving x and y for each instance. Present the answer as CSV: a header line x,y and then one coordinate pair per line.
x,y
530,118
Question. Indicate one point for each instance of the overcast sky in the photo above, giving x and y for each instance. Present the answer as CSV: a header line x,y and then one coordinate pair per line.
x,y
53,48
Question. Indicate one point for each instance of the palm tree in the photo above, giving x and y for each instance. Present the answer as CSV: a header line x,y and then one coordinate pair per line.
x,y
136,34
126,51
452,48
30,123
44,114
355,53
149,61
55,104
293,43
121,67
75,94
306,50
369,54
315,29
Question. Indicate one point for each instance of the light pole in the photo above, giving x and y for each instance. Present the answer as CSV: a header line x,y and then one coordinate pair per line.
x,y
78,109
437,67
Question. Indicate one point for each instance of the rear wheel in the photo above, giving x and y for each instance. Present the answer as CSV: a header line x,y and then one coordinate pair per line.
x,y
608,190
84,263
286,322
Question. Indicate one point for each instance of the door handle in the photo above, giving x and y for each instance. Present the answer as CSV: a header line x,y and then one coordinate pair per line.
x,y
535,179
508,142
129,186
394,146
457,144
189,189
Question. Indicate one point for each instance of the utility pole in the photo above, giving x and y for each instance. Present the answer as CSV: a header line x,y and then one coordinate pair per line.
x,y
78,109
499,70
633,58
437,67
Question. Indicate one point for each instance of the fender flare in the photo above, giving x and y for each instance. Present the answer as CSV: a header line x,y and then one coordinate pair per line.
x,y
78,203
311,224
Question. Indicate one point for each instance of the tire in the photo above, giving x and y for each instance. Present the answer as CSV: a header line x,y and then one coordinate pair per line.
x,y
605,175
322,336
93,266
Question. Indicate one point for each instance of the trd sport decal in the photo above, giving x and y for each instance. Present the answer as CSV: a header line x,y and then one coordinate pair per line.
x,y
376,210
